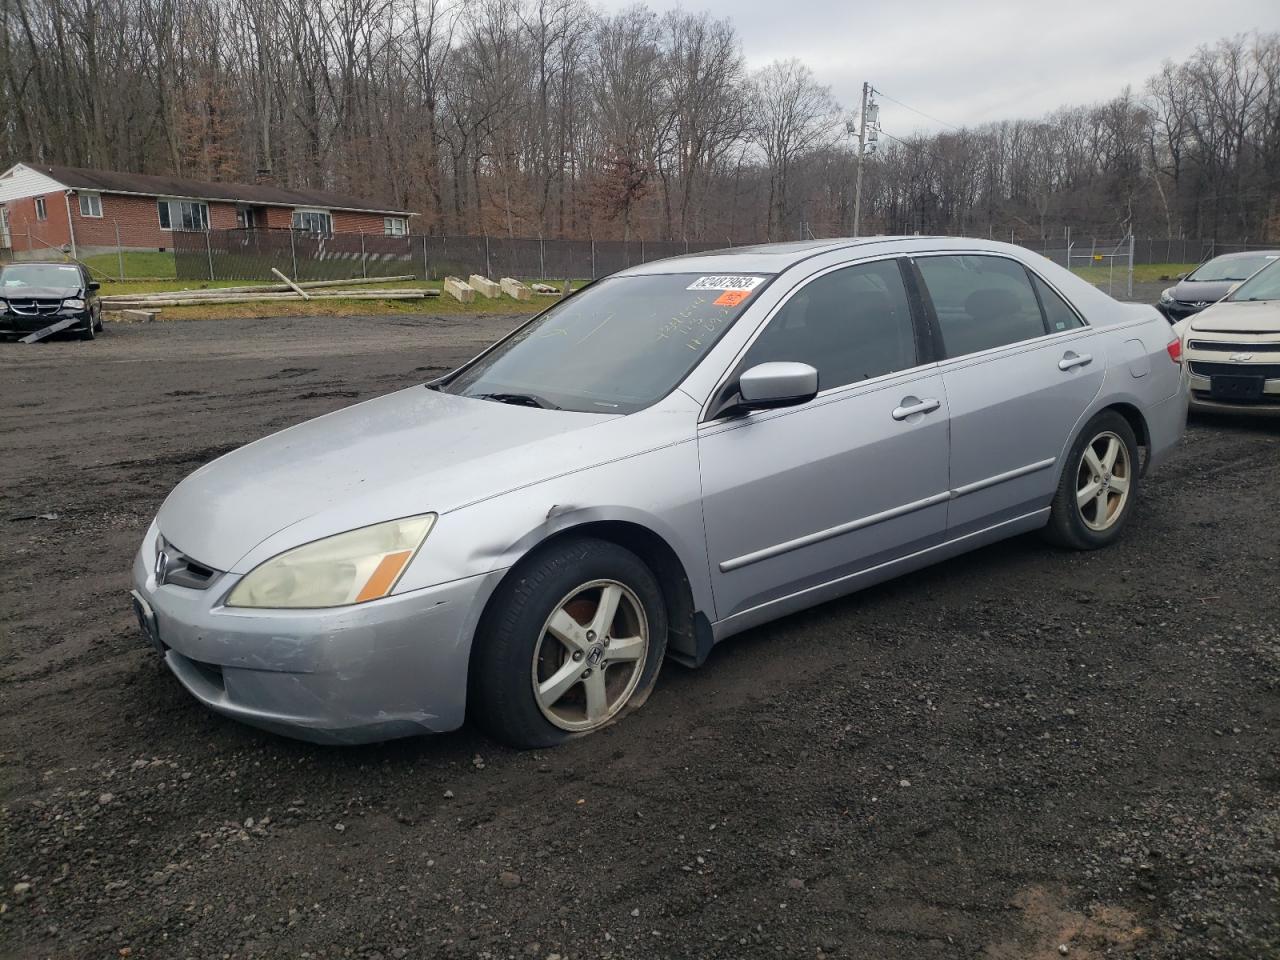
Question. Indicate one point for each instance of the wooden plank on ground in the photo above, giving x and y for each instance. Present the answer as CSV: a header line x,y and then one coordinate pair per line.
x,y
50,330
484,286
459,290
296,289
515,289
277,298
252,288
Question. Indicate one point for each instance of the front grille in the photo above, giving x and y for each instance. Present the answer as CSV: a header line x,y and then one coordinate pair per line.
x,y
174,566
1224,347
1269,371
35,307
1266,400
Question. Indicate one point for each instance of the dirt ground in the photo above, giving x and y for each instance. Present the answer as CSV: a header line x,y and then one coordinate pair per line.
x,y
1011,754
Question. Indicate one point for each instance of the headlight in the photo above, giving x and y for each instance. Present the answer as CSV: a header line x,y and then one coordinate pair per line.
x,y
75,303
1166,295
351,567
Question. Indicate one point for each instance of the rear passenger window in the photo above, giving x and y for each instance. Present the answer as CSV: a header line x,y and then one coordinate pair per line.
x,y
849,325
1057,314
981,302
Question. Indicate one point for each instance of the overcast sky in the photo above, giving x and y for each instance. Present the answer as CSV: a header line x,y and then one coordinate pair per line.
x,y
970,61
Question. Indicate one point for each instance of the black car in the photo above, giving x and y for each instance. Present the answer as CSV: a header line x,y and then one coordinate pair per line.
x,y
1211,281
37,295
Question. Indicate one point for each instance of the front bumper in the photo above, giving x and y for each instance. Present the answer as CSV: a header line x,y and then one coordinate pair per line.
x,y
13,323
389,668
1202,399
1177,310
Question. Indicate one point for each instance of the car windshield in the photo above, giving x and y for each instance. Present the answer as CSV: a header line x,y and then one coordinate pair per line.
x,y
1263,285
616,346
1231,268
15,276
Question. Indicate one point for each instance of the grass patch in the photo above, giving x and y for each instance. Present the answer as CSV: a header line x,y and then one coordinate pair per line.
x,y
141,264
1142,272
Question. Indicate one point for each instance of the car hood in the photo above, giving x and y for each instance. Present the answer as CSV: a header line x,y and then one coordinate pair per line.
x,y
410,452
41,293
1239,316
1202,291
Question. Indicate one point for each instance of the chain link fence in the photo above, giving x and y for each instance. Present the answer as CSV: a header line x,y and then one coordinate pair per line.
x,y
248,255
251,255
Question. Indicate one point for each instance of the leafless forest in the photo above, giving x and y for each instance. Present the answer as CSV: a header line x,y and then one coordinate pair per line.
x,y
549,118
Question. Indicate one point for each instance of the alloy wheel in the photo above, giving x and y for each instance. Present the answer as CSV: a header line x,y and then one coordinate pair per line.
x,y
590,655
1103,479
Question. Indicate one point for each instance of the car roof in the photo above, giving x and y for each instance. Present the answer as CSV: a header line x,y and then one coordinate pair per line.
x,y
1246,253
40,263
770,258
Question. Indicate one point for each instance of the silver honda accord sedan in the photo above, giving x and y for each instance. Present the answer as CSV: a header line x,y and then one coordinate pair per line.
x,y
670,456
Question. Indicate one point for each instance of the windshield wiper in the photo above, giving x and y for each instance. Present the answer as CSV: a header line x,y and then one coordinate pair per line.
x,y
519,400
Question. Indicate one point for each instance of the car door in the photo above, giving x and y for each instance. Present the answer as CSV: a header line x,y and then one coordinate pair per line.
x,y
796,497
1020,369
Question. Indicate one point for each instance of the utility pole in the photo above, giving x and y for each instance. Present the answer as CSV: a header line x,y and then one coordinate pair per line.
x,y
867,116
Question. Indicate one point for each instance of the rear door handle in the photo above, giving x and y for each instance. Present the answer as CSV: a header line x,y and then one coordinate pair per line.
x,y
911,405
1070,360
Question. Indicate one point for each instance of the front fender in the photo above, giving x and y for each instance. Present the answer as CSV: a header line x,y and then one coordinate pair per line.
x,y
658,490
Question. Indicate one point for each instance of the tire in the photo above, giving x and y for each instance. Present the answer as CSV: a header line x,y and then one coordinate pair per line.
x,y
1095,499
97,325
525,643
87,331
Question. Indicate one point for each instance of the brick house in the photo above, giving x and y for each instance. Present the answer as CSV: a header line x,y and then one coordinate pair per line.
x,y
44,207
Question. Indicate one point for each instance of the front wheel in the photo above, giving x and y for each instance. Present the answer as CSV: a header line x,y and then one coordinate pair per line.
x,y
1099,485
89,329
572,642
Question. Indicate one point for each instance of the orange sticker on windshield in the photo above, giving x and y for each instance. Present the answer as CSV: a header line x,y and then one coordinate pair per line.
x,y
731,298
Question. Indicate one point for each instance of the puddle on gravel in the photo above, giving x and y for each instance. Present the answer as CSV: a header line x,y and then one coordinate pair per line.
x,y
1048,922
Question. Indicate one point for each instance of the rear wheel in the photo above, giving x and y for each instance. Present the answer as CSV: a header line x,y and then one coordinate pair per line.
x,y
1098,487
572,642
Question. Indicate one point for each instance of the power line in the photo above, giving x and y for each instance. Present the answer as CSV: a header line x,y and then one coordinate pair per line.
x,y
914,110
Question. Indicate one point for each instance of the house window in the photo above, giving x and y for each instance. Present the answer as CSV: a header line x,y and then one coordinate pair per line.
x,y
183,215
313,221
244,217
90,205
42,212
395,226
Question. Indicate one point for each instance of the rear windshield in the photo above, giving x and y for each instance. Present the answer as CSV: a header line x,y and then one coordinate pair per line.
x,y
1263,285
1232,268
615,347
15,276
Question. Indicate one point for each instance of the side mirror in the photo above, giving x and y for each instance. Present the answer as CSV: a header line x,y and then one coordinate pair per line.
x,y
94,285
777,384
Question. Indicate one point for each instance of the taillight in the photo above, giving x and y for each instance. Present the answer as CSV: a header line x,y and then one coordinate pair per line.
x,y
1175,350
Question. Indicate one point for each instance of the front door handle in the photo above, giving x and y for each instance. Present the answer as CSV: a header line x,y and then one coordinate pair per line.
x,y
912,405
1070,360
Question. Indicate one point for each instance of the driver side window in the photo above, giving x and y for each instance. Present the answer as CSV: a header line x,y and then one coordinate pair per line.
x,y
851,324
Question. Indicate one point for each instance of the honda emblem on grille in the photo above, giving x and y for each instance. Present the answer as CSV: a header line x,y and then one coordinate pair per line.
x,y
1200,304
1241,357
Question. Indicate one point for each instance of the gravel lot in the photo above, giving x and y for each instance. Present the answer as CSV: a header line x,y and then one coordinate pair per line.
x,y
1010,752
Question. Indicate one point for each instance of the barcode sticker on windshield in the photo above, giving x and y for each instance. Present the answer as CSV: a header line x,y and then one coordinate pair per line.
x,y
726,282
